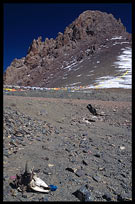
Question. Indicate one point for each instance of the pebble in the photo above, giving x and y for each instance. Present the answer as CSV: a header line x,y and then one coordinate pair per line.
x,y
14,192
98,194
24,195
47,171
107,197
72,158
101,168
44,131
5,177
44,199
70,169
83,194
85,134
38,139
57,132
122,147
50,165
23,143
97,155
19,135
86,150
97,178
114,110
84,162
119,198
79,172
20,138
5,153
69,148
124,197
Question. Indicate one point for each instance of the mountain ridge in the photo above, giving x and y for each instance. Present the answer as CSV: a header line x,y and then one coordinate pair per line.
x,y
80,41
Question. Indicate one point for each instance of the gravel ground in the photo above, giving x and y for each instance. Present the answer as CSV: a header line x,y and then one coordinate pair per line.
x,y
68,146
93,94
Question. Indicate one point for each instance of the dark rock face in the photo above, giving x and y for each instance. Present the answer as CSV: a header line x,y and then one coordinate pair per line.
x,y
80,40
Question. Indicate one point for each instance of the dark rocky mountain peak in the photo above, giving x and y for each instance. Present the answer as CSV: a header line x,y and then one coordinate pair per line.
x,y
46,60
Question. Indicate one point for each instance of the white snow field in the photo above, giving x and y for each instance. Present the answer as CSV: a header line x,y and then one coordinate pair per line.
x,y
124,79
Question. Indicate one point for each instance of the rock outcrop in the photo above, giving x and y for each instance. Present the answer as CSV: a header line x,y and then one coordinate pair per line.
x,y
80,39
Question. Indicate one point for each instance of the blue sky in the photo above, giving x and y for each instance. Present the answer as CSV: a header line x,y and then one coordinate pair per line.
x,y
24,22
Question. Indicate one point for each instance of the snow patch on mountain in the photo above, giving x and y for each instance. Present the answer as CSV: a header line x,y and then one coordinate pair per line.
x,y
124,67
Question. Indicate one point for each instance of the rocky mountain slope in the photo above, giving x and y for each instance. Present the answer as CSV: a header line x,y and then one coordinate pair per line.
x,y
89,45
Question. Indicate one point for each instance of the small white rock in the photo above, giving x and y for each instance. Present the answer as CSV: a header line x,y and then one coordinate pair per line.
x,y
122,147
50,165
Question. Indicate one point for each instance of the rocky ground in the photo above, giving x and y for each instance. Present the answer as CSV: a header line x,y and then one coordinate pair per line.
x,y
68,146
